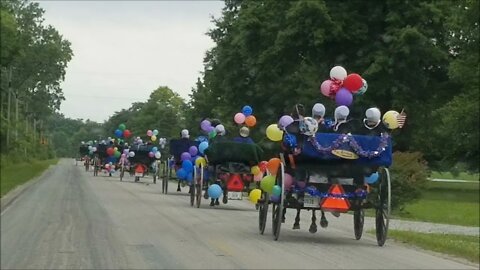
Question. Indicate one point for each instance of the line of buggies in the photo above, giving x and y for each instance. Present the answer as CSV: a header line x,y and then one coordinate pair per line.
x,y
335,173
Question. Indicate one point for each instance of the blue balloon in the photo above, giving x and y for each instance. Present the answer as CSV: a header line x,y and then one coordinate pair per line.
x,y
202,147
275,198
182,174
187,165
201,139
189,177
277,190
154,149
118,133
214,191
247,110
372,178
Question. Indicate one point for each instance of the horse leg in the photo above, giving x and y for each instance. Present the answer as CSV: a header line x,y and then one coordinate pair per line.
x,y
323,221
283,214
313,226
178,188
296,225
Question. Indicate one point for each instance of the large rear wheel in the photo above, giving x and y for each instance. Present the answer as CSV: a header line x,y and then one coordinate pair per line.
x,y
262,212
199,187
383,206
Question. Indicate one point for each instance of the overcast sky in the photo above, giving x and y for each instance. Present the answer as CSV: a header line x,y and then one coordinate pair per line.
x,y
123,50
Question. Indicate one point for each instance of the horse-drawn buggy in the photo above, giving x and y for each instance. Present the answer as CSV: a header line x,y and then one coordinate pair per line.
x,y
143,160
334,173
230,166
84,156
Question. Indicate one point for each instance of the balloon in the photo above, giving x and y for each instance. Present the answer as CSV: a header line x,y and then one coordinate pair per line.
x,y
117,154
343,97
205,124
285,121
189,177
214,191
255,170
94,149
151,154
277,190
115,148
273,133
263,166
220,129
202,146
301,184
193,150
353,82
239,118
110,151
155,132
267,183
362,89
325,87
372,178
182,174
275,198
273,165
118,133
255,195
158,155
210,129
149,133
154,138
123,155
187,165
287,181
250,121
185,156
131,154
90,147
390,119
258,177
200,162
338,72
154,149
212,134
122,127
247,110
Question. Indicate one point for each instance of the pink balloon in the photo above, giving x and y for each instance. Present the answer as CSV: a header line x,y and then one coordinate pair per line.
x,y
239,118
151,154
325,87
149,132
258,177
288,181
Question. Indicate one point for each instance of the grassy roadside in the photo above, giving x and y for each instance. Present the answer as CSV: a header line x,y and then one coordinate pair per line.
x,y
460,176
13,175
447,203
461,246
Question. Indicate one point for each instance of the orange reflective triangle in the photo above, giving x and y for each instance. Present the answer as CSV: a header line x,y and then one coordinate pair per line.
x,y
335,204
235,183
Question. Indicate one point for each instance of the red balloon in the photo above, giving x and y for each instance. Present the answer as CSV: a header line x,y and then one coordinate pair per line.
x,y
353,82
127,133
110,151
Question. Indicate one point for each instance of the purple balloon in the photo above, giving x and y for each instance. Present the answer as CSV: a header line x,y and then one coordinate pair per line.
x,y
185,156
205,124
193,150
210,129
275,198
151,154
343,97
285,121
301,184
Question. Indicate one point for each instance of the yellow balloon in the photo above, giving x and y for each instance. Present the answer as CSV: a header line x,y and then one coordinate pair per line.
x,y
255,195
115,148
199,162
154,138
274,133
389,119
255,170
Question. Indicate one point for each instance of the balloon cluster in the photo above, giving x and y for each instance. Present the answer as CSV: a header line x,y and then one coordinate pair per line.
x,y
91,149
152,134
122,132
113,152
246,120
188,160
162,142
212,128
341,87
155,153
110,167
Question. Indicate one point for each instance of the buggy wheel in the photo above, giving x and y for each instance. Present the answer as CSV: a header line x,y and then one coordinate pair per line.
x,y
262,212
192,194
382,213
277,209
199,188
164,175
358,220
122,172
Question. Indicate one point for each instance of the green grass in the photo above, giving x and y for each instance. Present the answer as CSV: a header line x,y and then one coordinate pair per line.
x,y
448,203
13,175
462,246
460,176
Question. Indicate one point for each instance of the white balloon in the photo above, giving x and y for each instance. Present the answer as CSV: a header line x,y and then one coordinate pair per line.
x,y
341,112
338,72
131,154
158,155
318,110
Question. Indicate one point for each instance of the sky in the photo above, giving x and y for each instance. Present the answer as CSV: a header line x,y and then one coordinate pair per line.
x,y
123,50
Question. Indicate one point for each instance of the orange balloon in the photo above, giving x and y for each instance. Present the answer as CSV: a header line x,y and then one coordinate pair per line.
x,y
273,165
250,121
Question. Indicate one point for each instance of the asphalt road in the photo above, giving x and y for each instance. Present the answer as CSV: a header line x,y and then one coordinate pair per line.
x,y
72,220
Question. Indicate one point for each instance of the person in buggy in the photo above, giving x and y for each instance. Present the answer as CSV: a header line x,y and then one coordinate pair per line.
x,y
177,147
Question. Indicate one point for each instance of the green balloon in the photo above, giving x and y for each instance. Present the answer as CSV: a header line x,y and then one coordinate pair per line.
x,y
276,190
212,134
122,127
117,154
267,183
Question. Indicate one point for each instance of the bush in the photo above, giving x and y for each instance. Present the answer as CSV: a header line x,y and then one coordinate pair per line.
x,y
409,174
